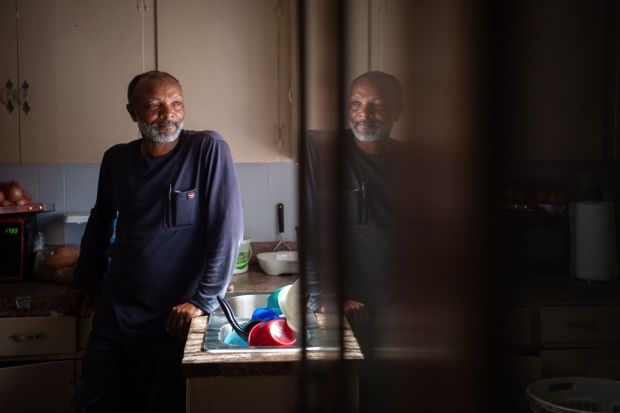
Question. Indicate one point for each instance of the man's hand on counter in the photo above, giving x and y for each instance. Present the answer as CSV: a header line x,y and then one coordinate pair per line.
x,y
356,313
181,317
78,301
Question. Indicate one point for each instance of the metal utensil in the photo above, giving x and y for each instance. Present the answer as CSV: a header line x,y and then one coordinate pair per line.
x,y
242,329
280,210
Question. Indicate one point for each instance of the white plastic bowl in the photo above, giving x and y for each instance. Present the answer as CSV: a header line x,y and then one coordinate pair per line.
x,y
289,301
276,263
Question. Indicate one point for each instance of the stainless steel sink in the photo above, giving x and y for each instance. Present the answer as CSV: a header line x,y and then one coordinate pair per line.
x,y
243,306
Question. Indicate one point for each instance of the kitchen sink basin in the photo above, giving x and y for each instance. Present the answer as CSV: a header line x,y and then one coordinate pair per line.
x,y
218,328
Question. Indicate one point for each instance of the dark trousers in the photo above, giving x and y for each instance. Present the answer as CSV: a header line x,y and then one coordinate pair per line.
x,y
132,374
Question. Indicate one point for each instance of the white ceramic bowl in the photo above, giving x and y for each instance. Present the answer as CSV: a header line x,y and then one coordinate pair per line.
x,y
276,263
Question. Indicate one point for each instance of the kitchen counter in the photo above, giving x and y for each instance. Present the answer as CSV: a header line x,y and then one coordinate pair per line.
x,y
256,281
46,300
197,362
38,298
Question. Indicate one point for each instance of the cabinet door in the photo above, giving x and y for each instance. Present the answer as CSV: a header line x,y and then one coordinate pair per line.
x,y
220,394
36,388
553,81
78,58
225,54
9,121
421,43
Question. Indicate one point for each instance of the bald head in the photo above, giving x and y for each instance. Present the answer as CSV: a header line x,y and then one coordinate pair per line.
x,y
375,104
388,85
150,75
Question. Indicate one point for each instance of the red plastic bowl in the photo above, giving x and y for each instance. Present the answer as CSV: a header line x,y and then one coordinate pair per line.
x,y
274,332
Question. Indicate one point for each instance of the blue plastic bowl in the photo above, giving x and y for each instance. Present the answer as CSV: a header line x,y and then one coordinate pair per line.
x,y
234,340
265,314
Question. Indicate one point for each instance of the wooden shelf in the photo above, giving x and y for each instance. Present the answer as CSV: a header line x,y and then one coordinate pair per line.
x,y
25,209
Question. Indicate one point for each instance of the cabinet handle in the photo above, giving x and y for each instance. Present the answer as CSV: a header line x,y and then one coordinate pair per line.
x,y
583,325
9,96
142,4
25,104
21,338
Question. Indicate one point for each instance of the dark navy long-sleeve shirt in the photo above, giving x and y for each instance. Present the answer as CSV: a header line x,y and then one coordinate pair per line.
x,y
366,188
179,224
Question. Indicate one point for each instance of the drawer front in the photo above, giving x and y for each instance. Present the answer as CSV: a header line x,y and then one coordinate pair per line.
x,y
580,324
593,362
21,336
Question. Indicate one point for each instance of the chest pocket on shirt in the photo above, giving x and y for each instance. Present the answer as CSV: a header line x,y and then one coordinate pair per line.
x,y
182,209
355,209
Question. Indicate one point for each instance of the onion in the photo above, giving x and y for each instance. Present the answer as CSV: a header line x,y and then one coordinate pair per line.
x,y
14,192
7,203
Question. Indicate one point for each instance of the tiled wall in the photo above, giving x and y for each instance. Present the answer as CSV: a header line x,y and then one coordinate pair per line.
x,y
72,188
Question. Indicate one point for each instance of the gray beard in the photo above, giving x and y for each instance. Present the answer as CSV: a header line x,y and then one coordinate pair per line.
x,y
150,132
375,136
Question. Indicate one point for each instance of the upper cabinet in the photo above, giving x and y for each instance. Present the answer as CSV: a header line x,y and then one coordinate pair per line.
x,y
233,59
557,74
9,109
69,63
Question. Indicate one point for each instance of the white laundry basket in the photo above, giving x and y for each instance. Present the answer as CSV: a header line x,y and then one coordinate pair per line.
x,y
574,395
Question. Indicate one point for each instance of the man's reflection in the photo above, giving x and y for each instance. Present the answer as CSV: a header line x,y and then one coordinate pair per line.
x,y
367,159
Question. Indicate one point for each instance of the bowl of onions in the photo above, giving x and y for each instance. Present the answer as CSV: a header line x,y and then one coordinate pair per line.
x,y
12,194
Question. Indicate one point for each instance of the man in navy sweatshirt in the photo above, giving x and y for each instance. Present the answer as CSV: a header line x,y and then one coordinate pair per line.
x,y
159,246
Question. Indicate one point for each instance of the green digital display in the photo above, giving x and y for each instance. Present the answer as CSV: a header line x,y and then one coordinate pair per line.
x,y
11,230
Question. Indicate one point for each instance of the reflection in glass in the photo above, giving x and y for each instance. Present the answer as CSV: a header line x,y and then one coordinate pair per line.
x,y
392,229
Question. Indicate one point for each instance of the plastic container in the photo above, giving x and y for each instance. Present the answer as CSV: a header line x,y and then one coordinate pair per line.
x,y
274,332
574,395
265,314
243,258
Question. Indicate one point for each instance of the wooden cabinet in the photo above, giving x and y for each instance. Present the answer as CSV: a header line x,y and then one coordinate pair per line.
x,y
221,394
233,59
37,335
38,364
579,325
40,351
74,61
9,111
548,326
558,326
556,71
36,388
